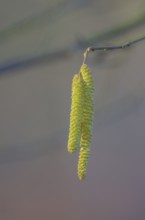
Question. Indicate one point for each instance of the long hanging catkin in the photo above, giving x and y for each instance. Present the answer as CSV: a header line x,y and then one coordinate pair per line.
x,y
76,113
87,121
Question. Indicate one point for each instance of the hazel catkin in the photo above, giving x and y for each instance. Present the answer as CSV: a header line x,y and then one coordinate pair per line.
x,y
81,118
88,108
76,113
87,121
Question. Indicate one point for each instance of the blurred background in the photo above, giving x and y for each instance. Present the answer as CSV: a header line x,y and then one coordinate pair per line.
x,y
41,47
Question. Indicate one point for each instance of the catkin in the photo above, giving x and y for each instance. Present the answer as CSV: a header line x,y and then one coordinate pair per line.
x,y
88,108
87,121
83,162
76,113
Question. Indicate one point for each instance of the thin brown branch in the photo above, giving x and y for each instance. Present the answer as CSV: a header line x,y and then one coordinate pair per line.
x,y
116,47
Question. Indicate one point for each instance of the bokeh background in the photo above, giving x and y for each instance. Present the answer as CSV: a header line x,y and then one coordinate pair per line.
x,y
41,47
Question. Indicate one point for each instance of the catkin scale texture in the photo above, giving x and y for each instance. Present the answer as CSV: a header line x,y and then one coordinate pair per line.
x,y
87,122
88,109
83,162
76,113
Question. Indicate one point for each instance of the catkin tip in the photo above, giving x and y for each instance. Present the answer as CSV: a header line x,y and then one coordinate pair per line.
x,y
83,162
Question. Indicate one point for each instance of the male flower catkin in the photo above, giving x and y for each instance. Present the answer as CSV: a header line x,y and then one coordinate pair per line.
x,y
76,113
83,162
87,121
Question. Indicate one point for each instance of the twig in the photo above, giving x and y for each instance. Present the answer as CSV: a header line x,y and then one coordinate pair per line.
x,y
106,48
114,32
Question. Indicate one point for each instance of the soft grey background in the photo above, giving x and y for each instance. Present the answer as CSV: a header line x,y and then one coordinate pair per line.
x,y
38,177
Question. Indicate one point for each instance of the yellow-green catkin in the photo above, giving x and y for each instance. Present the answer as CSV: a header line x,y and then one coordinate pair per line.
x,y
83,162
76,113
87,121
